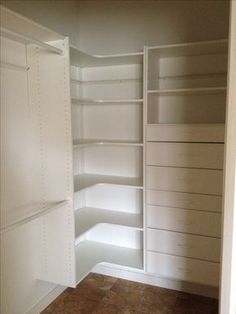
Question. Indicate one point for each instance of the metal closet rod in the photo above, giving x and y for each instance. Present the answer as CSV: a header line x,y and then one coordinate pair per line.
x,y
14,66
33,217
7,33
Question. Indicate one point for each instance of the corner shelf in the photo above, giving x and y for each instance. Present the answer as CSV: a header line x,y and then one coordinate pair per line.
x,y
106,101
99,142
189,91
82,59
107,81
88,217
85,181
90,253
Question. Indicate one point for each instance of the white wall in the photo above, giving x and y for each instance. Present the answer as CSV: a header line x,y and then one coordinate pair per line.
x,y
113,26
107,26
59,15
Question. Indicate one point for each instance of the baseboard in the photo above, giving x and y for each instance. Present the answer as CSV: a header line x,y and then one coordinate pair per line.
x,y
149,279
130,274
46,300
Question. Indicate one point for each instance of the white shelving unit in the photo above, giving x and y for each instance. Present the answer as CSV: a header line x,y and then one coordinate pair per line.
x,y
36,211
109,159
108,150
185,101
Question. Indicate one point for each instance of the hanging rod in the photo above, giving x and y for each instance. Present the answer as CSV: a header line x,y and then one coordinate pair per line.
x,y
14,66
28,40
41,213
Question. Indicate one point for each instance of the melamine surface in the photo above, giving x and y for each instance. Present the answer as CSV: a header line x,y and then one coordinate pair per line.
x,y
185,269
189,155
182,244
184,220
189,180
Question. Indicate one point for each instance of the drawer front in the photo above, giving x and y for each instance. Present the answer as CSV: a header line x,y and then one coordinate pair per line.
x,y
193,155
186,132
185,245
184,200
186,269
184,220
185,180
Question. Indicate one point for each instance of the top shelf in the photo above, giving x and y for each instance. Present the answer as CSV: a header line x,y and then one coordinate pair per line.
x,y
191,49
82,59
17,23
6,33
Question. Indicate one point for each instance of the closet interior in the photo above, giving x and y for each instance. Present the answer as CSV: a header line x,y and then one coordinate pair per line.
x,y
120,158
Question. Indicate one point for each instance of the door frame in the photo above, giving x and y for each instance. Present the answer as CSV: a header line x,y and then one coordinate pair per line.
x,y
228,268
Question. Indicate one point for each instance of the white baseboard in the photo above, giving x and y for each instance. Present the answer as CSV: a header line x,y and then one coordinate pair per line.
x,y
149,279
46,300
130,274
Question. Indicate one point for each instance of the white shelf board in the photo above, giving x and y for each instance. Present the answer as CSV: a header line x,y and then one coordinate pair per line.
x,y
4,32
188,91
191,48
19,23
100,142
85,181
82,59
105,101
29,212
88,217
111,81
89,254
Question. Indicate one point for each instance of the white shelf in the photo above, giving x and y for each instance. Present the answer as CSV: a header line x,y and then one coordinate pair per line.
x,y
191,48
189,91
82,59
85,181
89,254
106,101
7,33
99,142
15,22
88,217
111,81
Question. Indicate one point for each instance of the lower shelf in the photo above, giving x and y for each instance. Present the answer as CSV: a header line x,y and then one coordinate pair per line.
x,y
88,217
89,254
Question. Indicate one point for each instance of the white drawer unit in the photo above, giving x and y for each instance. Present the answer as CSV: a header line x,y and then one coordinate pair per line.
x,y
193,155
184,220
184,269
184,200
202,181
186,132
182,244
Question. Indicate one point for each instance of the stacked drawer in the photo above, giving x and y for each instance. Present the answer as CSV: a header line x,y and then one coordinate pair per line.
x,y
184,187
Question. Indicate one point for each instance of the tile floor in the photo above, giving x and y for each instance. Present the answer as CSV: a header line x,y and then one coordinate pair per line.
x,y
98,294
